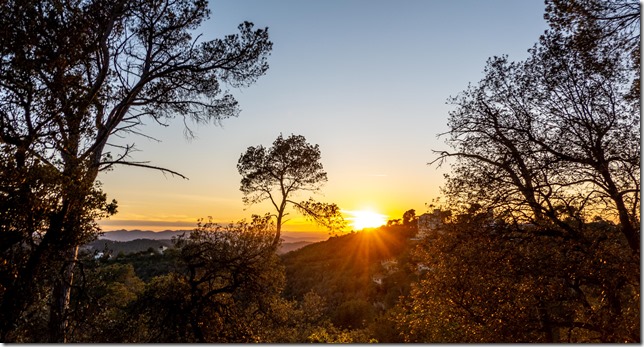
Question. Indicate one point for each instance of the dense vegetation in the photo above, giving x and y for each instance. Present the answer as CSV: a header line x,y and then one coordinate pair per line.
x,y
474,278
324,292
538,239
342,271
115,247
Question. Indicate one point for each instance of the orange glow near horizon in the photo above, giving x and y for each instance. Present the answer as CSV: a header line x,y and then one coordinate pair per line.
x,y
366,219
362,216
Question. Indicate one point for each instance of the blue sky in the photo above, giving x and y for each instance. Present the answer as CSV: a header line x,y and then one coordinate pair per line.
x,y
366,80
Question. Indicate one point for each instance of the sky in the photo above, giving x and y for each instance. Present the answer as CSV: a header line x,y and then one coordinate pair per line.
x,y
366,80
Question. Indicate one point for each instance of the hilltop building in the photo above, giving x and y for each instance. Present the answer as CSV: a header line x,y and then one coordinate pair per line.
x,y
429,223
389,265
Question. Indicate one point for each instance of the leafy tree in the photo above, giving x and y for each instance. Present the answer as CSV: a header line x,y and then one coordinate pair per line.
x,y
233,272
353,313
335,335
164,306
100,309
306,321
29,195
409,219
407,225
493,282
393,222
546,151
614,23
292,165
75,74
230,280
148,265
385,327
553,140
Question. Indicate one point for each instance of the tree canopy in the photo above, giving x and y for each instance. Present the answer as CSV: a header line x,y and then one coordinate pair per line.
x,y
276,174
538,240
73,75
546,185
553,139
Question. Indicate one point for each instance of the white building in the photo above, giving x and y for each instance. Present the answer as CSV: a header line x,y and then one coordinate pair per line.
x,y
377,278
428,223
389,265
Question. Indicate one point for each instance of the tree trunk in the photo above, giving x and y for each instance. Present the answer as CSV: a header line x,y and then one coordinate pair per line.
x,y
69,235
632,235
280,217
17,296
547,328
278,230
59,321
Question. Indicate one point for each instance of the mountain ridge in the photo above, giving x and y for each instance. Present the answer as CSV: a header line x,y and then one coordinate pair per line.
x,y
123,235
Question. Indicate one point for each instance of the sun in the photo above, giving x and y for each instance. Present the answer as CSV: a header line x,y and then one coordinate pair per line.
x,y
366,219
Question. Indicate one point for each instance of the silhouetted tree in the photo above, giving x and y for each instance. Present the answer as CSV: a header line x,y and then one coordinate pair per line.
x,y
409,218
73,75
230,280
614,24
553,140
488,281
393,222
546,148
100,305
292,165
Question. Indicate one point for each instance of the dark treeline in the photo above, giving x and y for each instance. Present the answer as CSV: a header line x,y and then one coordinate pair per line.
x,y
537,240
227,284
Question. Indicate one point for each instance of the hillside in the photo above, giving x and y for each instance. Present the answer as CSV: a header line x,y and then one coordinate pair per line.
x,y
133,246
131,235
150,240
286,247
344,270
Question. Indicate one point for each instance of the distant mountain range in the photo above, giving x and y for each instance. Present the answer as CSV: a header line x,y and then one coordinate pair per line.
x,y
130,235
286,247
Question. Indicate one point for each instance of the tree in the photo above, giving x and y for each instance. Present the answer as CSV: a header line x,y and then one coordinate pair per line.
x,y
552,140
229,280
292,165
489,281
615,23
550,149
409,219
393,222
75,74
100,305
29,195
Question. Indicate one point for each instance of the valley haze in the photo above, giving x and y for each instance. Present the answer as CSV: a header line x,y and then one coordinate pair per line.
x,y
124,235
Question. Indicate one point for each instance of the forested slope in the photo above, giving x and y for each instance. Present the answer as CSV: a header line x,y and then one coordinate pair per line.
x,y
344,270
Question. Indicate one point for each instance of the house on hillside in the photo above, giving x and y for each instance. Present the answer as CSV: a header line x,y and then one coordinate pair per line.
x,y
102,255
389,265
377,278
429,223
422,268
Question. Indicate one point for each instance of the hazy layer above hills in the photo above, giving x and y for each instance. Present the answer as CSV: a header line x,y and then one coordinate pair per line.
x,y
129,235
